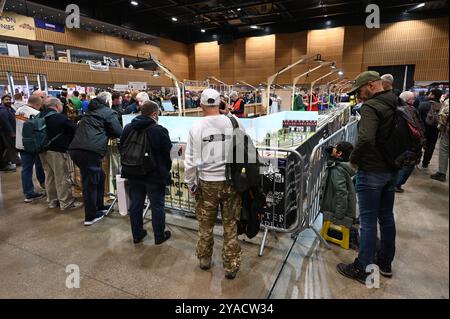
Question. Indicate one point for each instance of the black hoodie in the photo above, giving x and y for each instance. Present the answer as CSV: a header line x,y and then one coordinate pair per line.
x,y
95,128
160,145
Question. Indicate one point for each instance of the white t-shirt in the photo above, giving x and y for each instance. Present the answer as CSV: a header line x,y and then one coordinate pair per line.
x,y
23,113
207,148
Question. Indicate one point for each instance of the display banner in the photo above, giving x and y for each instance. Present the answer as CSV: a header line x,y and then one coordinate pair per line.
x,y
17,26
196,86
55,27
97,66
140,86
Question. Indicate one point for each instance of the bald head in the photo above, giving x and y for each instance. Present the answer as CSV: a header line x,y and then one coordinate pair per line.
x,y
40,93
35,102
408,97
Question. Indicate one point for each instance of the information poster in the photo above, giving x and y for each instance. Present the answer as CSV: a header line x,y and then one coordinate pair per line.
x,y
17,26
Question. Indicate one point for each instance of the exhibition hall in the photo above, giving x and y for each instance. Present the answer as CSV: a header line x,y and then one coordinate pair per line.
x,y
224,150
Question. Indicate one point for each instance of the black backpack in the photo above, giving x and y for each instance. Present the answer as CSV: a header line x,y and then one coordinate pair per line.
x,y
252,213
403,147
35,136
243,168
136,156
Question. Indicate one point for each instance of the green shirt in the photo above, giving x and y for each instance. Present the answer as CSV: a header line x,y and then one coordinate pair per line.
x,y
76,103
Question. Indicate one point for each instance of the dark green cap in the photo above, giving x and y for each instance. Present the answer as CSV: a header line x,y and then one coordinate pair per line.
x,y
363,79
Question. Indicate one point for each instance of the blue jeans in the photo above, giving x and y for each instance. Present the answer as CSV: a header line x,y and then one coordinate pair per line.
x,y
376,195
404,175
138,191
28,162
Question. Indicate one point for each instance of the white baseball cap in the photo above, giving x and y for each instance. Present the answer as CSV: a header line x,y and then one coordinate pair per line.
x,y
210,97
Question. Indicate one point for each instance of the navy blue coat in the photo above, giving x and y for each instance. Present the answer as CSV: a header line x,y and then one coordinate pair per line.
x,y
160,146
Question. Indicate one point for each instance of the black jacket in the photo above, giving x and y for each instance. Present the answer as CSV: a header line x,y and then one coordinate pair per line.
x,y
377,116
59,123
7,120
95,128
424,108
160,146
131,108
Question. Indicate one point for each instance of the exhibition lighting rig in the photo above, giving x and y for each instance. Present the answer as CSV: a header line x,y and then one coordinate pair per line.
x,y
172,76
318,80
271,79
307,73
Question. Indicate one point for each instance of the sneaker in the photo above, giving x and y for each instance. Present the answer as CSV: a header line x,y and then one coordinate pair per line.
x,y
75,205
167,235
34,197
205,263
230,275
98,217
352,271
53,204
141,239
104,209
399,190
439,177
385,269
9,168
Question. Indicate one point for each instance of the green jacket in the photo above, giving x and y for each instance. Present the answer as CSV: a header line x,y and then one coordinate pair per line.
x,y
76,103
338,194
375,126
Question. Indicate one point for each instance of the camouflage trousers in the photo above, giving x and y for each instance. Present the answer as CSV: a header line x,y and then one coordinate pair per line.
x,y
210,196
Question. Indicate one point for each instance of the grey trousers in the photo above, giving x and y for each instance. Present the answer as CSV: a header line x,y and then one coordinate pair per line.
x,y
443,154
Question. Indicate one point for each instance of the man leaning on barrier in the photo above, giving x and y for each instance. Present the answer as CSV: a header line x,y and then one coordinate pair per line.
x,y
205,166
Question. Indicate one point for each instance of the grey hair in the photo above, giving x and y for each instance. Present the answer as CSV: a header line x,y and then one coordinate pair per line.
x,y
142,96
51,102
388,78
407,96
104,97
234,93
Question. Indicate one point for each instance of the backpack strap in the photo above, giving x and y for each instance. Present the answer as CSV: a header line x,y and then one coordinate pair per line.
x,y
233,120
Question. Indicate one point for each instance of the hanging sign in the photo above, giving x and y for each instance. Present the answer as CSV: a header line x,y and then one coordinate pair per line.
x,y
17,26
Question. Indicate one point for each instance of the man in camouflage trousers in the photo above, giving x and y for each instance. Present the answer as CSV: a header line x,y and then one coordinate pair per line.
x,y
205,164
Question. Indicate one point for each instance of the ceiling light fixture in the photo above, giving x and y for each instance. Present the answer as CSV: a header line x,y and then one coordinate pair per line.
x,y
254,27
202,30
174,19
134,3
238,9
340,73
420,5
156,74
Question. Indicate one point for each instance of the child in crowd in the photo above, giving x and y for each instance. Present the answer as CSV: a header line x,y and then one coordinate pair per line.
x,y
338,201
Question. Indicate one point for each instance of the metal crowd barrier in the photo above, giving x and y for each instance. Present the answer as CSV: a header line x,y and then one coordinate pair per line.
x,y
317,172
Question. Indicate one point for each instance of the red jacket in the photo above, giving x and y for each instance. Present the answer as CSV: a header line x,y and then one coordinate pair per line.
x,y
238,108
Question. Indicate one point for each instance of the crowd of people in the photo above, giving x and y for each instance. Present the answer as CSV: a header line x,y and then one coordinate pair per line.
x,y
83,139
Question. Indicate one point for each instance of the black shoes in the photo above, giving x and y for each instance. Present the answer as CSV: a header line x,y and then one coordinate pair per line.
x,y
353,271
399,190
230,275
34,197
140,239
385,269
439,177
167,235
205,263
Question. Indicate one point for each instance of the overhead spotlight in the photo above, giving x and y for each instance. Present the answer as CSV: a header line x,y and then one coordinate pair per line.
x,y
202,30
174,19
420,5
340,73
156,74
254,27
325,16
238,9
328,22
134,3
